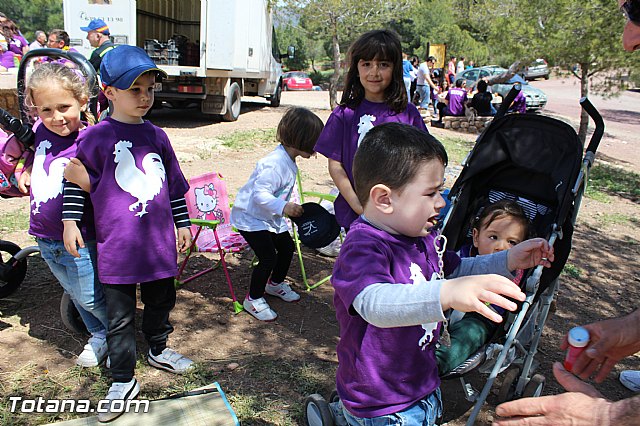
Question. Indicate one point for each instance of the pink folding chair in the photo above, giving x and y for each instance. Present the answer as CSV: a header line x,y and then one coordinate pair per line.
x,y
208,205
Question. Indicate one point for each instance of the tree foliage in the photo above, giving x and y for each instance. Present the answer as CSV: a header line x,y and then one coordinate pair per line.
x,y
34,15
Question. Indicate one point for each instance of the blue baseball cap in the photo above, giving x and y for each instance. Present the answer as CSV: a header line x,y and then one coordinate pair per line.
x,y
122,66
97,25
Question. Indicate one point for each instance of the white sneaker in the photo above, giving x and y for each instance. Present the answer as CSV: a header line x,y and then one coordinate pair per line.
x,y
93,353
630,379
282,290
170,361
260,309
118,392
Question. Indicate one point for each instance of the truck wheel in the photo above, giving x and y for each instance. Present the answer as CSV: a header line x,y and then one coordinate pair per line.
x,y
11,276
70,316
275,98
234,102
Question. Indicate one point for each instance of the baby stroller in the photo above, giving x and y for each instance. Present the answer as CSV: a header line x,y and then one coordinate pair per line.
x,y
13,148
538,162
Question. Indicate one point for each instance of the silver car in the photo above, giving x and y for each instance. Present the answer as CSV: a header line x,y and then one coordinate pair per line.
x,y
536,98
537,69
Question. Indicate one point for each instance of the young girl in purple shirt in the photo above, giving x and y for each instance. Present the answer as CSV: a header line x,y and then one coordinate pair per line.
x,y
374,93
58,96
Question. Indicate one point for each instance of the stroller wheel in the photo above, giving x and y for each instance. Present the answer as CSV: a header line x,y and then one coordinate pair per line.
x,y
10,277
534,387
70,316
508,388
333,397
317,411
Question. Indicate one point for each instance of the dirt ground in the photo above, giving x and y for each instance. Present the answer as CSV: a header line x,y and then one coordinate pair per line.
x,y
274,366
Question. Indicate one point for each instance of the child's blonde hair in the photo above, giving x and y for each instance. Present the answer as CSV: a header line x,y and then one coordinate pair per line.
x,y
57,74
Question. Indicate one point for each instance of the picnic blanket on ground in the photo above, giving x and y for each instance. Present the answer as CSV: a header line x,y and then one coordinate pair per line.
x,y
205,406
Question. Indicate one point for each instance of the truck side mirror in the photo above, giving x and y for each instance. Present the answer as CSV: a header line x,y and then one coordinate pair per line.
x,y
291,51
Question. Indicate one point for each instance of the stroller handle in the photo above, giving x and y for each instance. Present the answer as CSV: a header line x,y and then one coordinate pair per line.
x,y
506,102
588,107
77,58
21,131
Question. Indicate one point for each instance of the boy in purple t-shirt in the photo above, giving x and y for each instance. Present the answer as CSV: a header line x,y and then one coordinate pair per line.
x,y
390,291
137,188
454,101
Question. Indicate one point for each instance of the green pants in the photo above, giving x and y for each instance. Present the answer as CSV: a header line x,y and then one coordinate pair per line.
x,y
467,336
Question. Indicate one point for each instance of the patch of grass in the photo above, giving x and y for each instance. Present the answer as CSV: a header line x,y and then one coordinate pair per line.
x,y
572,271
613,181
613,219
457,148
248,138
17,220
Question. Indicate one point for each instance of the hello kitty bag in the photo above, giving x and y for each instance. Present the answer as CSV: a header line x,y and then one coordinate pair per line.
x,y
14,158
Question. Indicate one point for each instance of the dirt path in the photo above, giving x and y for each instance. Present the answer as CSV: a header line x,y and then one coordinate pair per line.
x,y
278,364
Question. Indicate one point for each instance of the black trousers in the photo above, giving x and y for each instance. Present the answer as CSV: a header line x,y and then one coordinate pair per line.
x,y
274,253
159,298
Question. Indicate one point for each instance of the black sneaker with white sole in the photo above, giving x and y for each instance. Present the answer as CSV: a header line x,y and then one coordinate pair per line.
x,y
170,361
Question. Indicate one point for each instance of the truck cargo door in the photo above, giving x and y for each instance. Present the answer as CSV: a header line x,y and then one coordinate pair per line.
x,y
256,34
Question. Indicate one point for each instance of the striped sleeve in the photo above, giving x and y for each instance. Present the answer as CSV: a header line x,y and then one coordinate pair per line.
x,y
180,213
72,201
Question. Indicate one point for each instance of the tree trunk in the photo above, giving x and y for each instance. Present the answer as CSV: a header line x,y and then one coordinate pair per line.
x,y
584,91
333,81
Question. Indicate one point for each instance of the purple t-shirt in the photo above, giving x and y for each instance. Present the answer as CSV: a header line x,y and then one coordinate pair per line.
x,y
343,133
519,103
382,370
52,154
17,43
457,97
134,176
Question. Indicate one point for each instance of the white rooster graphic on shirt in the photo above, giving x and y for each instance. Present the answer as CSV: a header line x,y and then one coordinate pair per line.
x,y
47,185
142,185
429,329
364,125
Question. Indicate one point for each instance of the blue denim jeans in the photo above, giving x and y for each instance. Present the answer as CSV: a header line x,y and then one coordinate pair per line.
x,y
79,278
423,413
425,95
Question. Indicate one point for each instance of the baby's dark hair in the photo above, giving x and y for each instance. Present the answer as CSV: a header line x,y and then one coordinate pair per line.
x,y
382,45
299,128
500,209
392,154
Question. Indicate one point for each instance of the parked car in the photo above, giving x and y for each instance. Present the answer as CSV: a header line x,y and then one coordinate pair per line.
x,y
538,68
296,80
536,98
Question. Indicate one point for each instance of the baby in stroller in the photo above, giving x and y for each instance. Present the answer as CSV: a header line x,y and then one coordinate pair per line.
x,y
497,227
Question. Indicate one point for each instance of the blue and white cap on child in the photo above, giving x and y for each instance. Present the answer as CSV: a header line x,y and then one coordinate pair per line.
x,y
122,66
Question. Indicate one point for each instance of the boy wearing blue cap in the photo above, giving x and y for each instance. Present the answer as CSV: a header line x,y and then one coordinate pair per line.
x,y
137,188
98,36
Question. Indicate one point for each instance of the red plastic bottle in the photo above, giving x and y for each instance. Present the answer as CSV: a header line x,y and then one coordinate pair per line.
x,y
578,339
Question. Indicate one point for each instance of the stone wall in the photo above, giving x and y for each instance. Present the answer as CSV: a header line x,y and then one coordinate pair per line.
x,y
9,101
463,124
9,94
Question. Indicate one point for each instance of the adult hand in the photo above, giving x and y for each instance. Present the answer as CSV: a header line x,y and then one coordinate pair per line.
x,y
582,405
610,341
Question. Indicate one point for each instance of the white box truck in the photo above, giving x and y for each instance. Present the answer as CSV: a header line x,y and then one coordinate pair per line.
x,y
213,51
